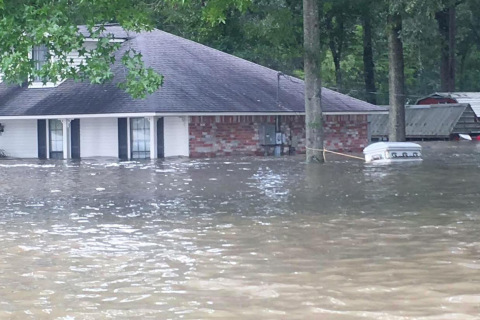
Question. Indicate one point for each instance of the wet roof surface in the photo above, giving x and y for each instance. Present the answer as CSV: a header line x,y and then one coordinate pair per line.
x,y
198,79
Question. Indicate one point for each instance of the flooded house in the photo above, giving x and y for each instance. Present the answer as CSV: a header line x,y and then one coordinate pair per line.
x,y
211,104
430,122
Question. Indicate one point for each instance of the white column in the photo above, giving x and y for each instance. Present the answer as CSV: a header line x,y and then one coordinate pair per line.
x,y
66,138
186,122
153,137
48,137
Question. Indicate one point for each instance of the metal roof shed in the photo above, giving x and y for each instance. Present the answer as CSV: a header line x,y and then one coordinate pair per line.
x,y
432,122
472,98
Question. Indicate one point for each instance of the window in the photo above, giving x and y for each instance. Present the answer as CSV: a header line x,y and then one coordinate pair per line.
x,y
56,139
140,138
39,57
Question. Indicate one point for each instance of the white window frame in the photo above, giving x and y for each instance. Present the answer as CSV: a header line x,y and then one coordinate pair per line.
x,y
38,83
37,51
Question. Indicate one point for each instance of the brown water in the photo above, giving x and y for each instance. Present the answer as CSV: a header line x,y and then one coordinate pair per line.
x,y
242,238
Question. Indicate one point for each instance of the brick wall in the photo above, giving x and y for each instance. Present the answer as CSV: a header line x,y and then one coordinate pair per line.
x,y
346,133
239,135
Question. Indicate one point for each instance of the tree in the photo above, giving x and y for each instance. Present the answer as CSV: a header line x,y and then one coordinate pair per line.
x,y
395,10
368,62
53,23
468,46
268,32
335,27
446,18
396,58
339,20
396,120
313,107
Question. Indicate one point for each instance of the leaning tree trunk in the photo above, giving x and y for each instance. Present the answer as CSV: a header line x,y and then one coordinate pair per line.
x,y
336,46
313,108
447,27
396,83
338,72
368,64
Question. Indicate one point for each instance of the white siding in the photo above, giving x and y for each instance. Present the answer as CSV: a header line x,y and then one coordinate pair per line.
x,y
176,136
20,138
99,137
75,58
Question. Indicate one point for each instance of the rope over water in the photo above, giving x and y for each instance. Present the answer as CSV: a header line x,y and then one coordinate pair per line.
x,y
337,153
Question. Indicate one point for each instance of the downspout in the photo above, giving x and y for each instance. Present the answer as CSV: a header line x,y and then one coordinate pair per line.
x,y
278,124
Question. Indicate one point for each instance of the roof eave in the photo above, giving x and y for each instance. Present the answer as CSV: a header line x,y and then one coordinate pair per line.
x,y
177,114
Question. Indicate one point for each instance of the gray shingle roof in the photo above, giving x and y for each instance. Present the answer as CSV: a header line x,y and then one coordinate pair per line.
x,y
197,79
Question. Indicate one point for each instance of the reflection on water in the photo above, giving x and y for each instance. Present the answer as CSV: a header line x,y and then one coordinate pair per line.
x,y
249,238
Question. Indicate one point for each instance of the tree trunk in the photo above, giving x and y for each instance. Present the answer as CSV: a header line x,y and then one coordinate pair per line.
x,y
313,108
452,48
461,74
338,73
368,65
396,81
335,43
447,28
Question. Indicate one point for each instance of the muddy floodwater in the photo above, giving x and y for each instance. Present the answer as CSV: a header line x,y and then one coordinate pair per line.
x,y
242,238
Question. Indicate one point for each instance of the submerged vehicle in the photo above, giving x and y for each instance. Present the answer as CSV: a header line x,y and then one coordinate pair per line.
x,y
389,152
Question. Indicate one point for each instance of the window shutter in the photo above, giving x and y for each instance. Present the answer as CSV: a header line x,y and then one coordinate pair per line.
x,y
75,132
160,142
122,139
42,138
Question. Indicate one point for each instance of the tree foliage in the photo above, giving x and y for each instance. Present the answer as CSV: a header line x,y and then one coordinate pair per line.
x,y
269,32
54,24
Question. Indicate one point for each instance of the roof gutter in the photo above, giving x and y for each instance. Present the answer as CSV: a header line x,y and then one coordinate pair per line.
x,y
179,114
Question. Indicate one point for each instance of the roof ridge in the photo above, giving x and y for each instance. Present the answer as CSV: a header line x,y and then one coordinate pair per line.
x,y
346,95
223,53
